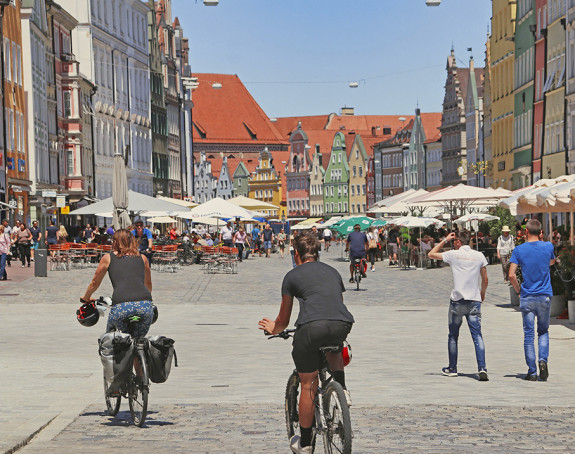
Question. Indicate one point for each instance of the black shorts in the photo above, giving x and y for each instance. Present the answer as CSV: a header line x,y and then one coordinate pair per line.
x,y
311,336
353,257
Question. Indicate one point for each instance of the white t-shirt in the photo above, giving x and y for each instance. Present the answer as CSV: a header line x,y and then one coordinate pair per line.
x,y
466,265
227,232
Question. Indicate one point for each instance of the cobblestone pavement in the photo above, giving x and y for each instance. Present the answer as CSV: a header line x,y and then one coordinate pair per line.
x,y
227,394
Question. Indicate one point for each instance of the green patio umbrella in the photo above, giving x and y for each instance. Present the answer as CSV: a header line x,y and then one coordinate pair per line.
x,y
345,227
378,223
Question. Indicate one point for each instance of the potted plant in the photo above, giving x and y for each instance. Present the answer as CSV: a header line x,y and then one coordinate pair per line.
x,y
558,299
565,270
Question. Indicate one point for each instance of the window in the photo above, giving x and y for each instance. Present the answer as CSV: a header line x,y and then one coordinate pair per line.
x,y
67,103
360,171
354,171
70,162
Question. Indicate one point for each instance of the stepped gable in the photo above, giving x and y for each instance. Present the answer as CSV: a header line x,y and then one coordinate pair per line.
x,y
250,164
230,115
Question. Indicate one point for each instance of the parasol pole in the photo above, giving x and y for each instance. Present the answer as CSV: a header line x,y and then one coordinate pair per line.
x,y
571,227
550,225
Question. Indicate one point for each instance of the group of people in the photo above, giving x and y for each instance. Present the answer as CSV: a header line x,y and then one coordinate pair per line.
x,y
468,267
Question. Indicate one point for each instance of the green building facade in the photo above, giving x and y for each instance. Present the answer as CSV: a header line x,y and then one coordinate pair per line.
x,y
336,180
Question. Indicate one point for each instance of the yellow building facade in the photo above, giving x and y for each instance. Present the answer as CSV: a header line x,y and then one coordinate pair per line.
x,y
265,184
501,73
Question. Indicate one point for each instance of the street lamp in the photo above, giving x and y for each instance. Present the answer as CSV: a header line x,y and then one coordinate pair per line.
x,y
3,4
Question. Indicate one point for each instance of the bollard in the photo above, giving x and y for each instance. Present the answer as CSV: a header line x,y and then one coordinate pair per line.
x,y
41,263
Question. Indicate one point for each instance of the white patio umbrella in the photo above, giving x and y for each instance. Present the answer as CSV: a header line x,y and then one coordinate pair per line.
x,y
252,204
415,222
121,217
476,217
215,208
137,203
162,220
545,196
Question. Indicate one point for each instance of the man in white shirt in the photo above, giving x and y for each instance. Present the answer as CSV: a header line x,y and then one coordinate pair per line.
x,y
227,234
468,267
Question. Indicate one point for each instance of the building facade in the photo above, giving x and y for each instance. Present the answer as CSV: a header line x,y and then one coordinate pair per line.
x,y
502,70
266,184
204,181
297,176
112,42
15,167
357,164
553,162
453,128
474,127
336,179
316,188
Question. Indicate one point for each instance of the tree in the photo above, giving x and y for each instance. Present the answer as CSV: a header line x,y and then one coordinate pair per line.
x,y
505,218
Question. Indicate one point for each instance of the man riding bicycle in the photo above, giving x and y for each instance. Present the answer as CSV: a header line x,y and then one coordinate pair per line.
x,y
357,245
323,320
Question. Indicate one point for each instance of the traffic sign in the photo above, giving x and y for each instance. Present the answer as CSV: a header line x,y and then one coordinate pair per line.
x,y
61,201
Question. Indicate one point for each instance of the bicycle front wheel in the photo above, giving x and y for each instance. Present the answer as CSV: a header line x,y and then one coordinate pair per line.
x,y
337,435
112,402
138,390
291,403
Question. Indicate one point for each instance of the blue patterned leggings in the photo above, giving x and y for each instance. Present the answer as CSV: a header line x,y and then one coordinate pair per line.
x,y
121,311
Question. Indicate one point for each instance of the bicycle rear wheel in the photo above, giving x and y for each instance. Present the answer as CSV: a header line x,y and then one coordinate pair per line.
x,y
138,390
357,278
337,435
112,402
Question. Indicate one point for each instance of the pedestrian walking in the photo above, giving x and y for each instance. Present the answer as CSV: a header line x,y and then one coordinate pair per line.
x,y
227,235
282,242
534,257
372,237
268,237
51,234
393,245
8,231
5,244
327,238
88,234
23,239
505,245
468,267
36,237
240,239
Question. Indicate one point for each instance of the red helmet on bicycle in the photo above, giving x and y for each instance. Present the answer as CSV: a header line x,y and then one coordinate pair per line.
x,y
346,353
88,314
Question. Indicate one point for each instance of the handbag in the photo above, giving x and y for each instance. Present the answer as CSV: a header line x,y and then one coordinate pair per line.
x,y
372,243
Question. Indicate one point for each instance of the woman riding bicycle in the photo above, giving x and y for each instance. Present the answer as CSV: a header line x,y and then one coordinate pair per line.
x,y
129,272
323,320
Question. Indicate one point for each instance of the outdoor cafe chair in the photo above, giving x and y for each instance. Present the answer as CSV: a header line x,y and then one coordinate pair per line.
x,y
77,255
59,257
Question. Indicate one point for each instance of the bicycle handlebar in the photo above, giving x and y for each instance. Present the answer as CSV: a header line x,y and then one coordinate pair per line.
x,y
104,301
285,334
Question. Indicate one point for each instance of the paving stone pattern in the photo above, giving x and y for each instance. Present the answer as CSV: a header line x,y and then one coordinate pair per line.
x,y
227,394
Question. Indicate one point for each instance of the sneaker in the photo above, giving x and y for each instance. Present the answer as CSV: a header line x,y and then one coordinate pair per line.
x,y
351,281
543,371
372,270
23,266
449,372
483,375
347,397
295,445
28,265
530,377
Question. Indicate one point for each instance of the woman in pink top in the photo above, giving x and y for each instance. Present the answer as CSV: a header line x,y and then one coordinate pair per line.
x,y
241,238
5,244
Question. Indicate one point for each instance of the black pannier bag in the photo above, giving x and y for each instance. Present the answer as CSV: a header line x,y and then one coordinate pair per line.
x,y
159,353
117,355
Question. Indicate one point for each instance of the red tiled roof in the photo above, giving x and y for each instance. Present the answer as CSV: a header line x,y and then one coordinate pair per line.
x,y
216,166
250,164
431,123
287,125
229,114
281,159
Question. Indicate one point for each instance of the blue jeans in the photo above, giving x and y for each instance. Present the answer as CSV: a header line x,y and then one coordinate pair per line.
x,y
3,266
121,311
532,306
471,310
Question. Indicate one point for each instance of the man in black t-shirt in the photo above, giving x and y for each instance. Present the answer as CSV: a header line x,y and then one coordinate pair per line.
x,y
36,237
357,245
268,237
393,245
323,320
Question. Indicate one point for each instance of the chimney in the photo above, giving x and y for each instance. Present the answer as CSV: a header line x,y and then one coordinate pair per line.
x,y
347,111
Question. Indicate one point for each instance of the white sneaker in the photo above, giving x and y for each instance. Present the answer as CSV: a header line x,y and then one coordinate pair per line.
x,y
373,269
295,445
347,397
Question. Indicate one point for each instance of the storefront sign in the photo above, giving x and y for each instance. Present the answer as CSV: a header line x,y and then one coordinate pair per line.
x,y
65,210
61,201
48,193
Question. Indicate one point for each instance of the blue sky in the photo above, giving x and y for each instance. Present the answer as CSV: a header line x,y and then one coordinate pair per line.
x,y
297,57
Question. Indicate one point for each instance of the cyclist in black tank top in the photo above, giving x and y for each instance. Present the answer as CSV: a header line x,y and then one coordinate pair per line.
x,y
131,280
